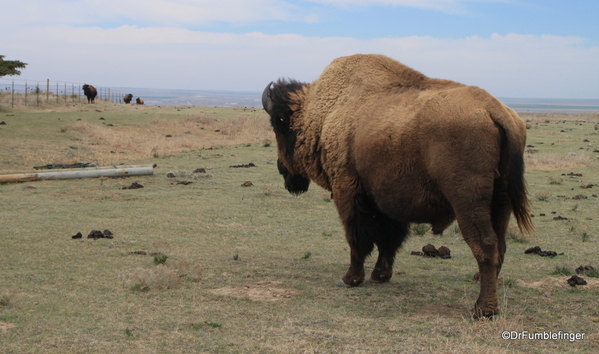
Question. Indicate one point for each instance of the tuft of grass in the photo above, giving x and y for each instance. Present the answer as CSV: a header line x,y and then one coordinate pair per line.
x,y
542,196
515,237
140,287
160,259
307,255
6,300
593,273
420,229
585,236
128,332
160,277
556,180
572,228
235,256
509,282
562,270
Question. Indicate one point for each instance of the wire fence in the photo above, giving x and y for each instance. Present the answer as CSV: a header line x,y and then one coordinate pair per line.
x,y
23,92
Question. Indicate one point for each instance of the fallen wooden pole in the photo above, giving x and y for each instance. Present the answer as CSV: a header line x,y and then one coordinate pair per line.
x,y
79,173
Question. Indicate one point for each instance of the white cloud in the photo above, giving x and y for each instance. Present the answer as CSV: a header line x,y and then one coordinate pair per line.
x,y
179,13
512,65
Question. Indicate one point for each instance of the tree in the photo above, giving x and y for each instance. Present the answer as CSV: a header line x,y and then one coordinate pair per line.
x,y
9,67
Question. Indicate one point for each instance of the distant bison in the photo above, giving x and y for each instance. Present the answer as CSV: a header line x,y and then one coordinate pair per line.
x,y
139,100
90,92
396,147
127,98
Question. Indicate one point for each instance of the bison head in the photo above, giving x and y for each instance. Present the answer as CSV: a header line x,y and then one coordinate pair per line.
x,y
277,103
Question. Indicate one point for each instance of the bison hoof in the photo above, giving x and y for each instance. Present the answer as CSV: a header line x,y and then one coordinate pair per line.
x,y
380,279
341,284
352,282
479,314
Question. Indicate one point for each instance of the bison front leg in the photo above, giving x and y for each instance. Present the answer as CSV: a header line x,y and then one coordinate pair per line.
x,y
389,234
364,226
355,218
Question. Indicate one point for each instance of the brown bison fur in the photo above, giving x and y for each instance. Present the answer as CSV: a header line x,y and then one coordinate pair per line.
x,y
396,147
139,100
127,98
90,92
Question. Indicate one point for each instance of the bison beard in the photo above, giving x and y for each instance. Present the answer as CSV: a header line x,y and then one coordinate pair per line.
x,y
295,184
396,147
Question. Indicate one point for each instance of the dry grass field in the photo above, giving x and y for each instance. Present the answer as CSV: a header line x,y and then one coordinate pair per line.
x,y
216,267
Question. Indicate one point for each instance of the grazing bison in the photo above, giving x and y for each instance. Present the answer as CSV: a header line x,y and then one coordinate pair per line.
x,y
127,98
139,100
396,147
90,92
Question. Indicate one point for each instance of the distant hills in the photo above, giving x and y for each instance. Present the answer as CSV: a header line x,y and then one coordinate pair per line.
x,y
253,99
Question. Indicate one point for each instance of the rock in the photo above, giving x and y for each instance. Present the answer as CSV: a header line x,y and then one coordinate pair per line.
x,y
251,164
430,250
134,185
584,270
444,252
78,235
95,234
535,250
576,280
547,254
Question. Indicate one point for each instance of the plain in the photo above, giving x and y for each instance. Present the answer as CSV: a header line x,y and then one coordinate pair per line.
x,y
216,267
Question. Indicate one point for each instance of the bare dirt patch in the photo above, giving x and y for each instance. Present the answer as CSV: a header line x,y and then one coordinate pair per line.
x,y
443,310
262,291
4,327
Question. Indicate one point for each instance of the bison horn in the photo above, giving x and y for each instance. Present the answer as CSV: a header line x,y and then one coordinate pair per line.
x,y
267,103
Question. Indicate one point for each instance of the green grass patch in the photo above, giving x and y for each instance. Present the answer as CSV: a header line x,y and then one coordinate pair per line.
x,y
239,277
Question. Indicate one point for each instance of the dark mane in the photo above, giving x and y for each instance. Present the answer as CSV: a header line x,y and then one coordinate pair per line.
x,y
280,95
281,112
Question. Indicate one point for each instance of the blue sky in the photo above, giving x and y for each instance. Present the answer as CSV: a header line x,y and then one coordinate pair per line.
x,y
512,48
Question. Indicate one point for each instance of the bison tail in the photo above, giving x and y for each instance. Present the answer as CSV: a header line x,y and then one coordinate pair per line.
x,y
513,163
517,192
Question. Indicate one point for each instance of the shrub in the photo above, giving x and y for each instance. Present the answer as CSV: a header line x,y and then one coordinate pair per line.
x,y
561,270
420,229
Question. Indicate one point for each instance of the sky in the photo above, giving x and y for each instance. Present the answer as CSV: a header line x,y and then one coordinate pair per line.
x,y
511,48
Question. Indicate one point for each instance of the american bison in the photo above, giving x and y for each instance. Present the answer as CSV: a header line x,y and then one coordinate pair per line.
x,y
90,92
139,100
127,98
396,147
